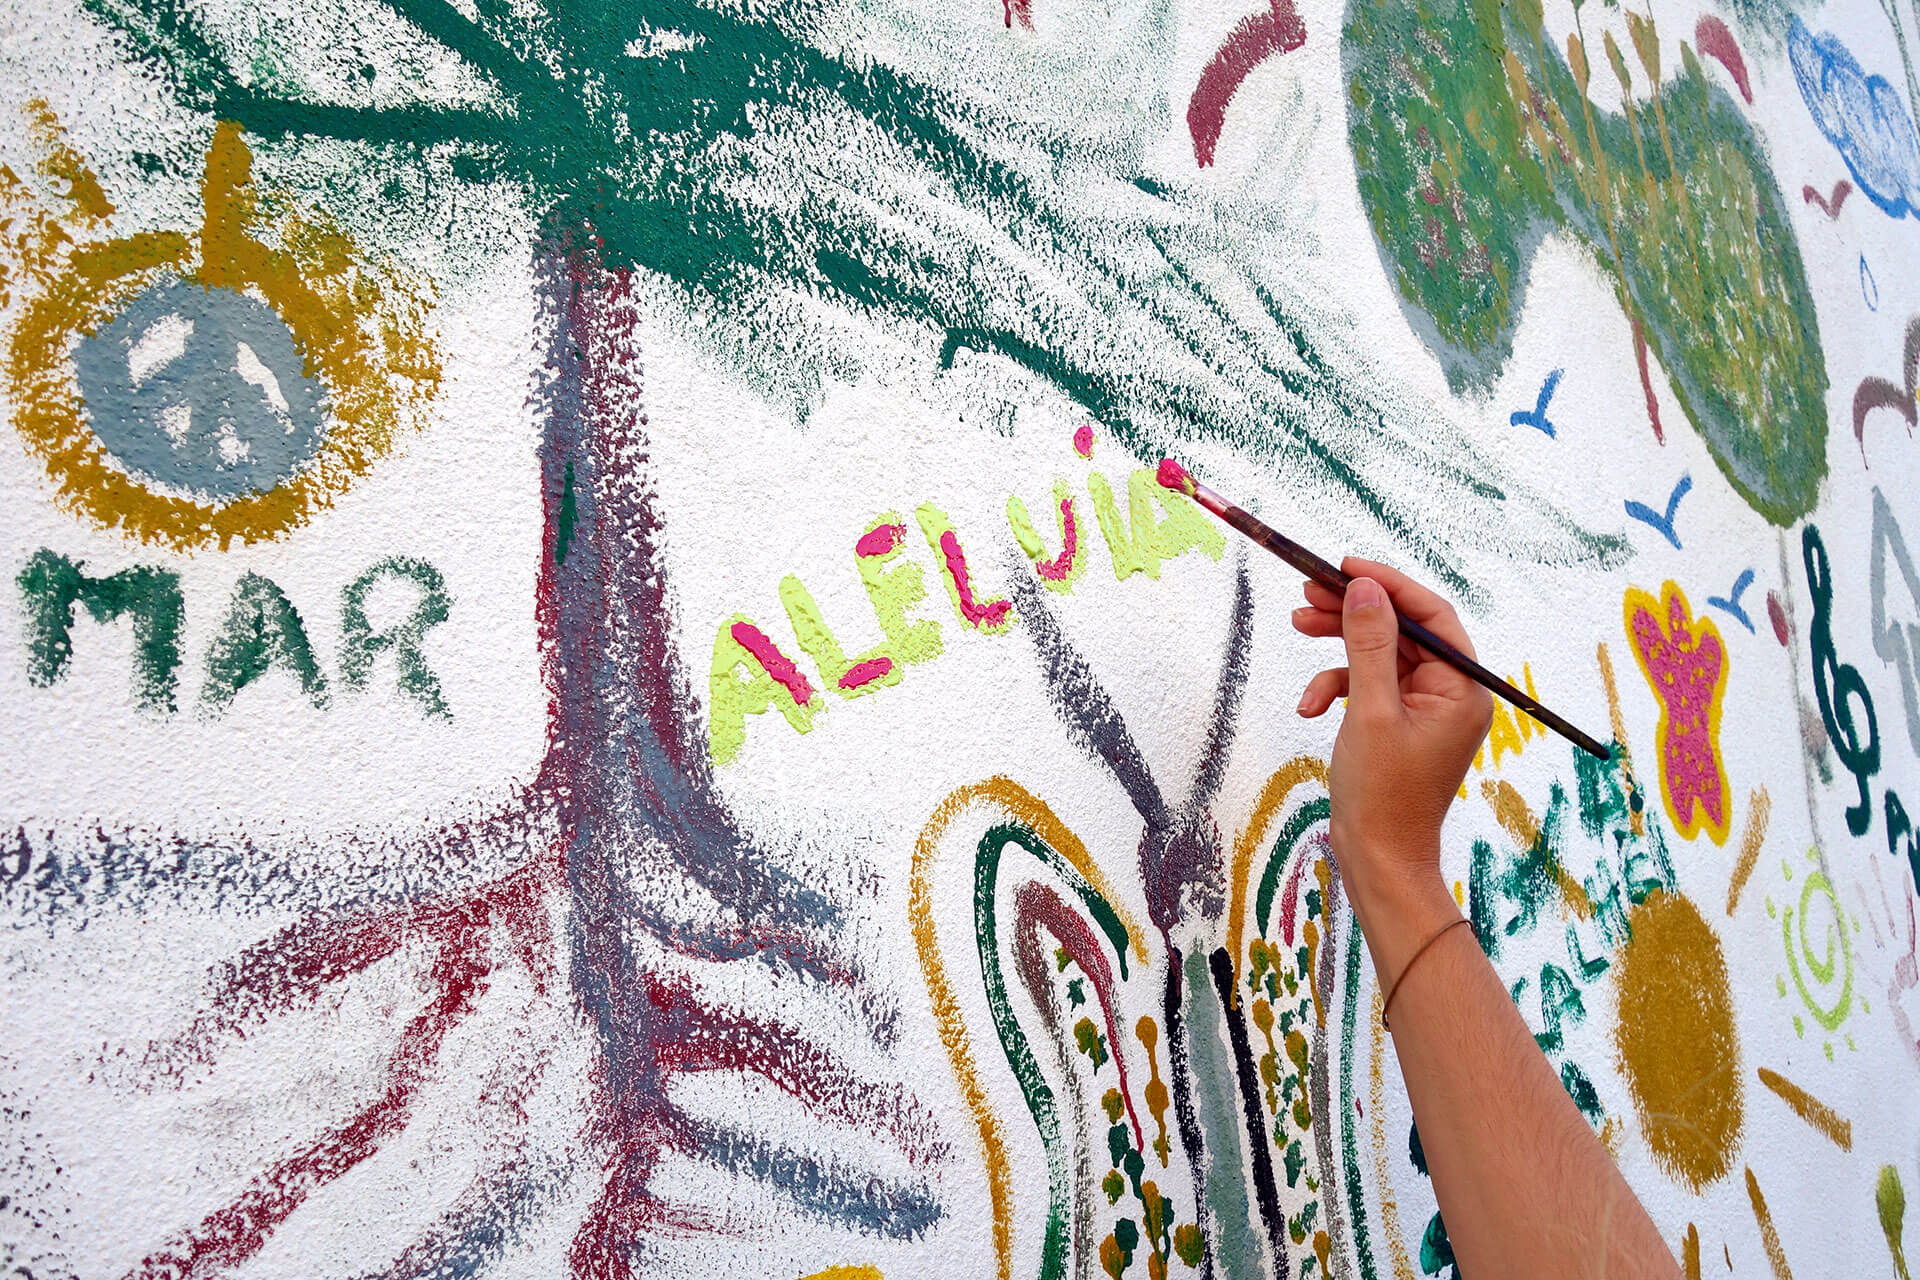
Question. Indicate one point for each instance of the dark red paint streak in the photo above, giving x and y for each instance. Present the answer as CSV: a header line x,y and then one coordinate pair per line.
x,y
1646,381
1778,617
230,1236
1039,903
1829,205
1258,37
1716,41
1290,899
695,1035
1884,393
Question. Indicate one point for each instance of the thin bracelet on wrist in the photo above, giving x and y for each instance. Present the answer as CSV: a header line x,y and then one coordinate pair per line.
x,y
1407,968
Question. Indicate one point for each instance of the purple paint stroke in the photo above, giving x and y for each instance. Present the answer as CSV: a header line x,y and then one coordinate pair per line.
x,y
1082,706
642,818
1882,393
1181,857
1228,690
1194,860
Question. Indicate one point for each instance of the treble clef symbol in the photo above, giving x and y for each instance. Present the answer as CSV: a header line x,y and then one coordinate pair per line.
x,y
1835,683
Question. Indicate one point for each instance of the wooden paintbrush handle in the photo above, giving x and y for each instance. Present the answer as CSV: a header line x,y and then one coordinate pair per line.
x,y
1335,581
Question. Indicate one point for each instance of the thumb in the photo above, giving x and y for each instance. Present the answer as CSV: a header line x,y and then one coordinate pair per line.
x,y
1372,634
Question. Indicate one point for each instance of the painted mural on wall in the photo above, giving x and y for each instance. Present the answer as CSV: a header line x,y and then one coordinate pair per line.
x,y
599,683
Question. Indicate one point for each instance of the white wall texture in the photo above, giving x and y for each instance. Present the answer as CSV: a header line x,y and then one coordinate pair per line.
x,y
606,920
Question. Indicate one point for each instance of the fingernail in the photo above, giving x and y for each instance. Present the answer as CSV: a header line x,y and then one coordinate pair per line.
x,y
1365,593
1302,708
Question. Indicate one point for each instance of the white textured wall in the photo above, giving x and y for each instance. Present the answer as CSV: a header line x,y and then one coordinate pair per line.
x,y
564,968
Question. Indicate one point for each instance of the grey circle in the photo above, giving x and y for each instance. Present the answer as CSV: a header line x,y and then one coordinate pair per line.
x,y
201,389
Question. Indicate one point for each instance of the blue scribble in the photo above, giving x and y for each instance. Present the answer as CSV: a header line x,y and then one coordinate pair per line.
x,y
1664,523
1862,116
1537,416
1730,605
1869,287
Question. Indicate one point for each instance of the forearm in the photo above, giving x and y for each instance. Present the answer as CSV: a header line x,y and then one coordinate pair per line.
x,y
1524,1186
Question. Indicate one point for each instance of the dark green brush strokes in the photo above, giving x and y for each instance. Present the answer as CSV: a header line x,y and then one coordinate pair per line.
x,y
1459,194
1013,1041
1349,1141
569,516
51,584
1303,819
262,631
360,644
1119,303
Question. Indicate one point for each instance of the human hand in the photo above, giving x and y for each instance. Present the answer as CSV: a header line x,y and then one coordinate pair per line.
x,y
1412,725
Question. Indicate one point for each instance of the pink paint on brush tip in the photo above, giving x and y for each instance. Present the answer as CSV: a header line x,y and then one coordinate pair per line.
x,y
1174,476
1083,440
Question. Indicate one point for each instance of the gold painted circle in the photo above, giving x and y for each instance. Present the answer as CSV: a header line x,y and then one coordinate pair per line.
x,y
99,280
1677,1039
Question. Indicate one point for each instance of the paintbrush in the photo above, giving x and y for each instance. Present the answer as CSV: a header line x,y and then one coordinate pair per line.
x,y
1176,477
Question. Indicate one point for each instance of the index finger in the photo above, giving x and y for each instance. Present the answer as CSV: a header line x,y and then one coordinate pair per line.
x,y
1412,600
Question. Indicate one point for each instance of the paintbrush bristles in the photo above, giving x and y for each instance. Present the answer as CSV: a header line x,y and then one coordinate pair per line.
x,y
1174,476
